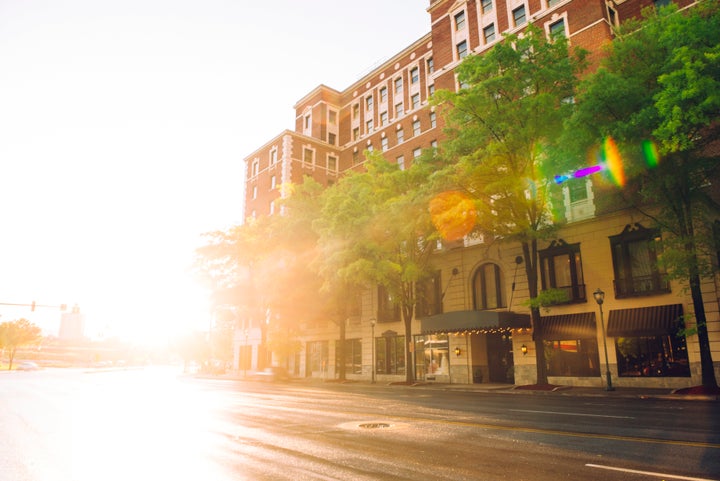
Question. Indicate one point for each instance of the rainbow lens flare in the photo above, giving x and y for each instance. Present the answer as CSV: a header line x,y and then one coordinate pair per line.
x,y
613,161
453,214
652,157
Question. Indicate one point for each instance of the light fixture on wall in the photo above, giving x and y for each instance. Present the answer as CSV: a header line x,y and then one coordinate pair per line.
x,y
457,351
523,349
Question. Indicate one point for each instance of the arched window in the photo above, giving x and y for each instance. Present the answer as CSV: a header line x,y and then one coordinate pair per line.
x,y
488,287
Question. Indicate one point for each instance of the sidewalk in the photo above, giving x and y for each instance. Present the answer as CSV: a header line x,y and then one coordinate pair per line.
x,y
553,390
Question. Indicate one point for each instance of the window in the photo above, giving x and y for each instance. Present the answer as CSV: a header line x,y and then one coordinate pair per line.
x,y
415,100
390,354
401,162
255,168
383,118
254,192
317,357
356,157
273,182
416,128
577,189
356,133
331,138
399,109
433,120
272,207
388,311
552,3
308,121
430,65
661,3
658,356
429,296
369,126
273,156
486,6
368,103
400,136
353,356
431,356
383,94
459,21
414,75
398,85
431,89
519,16
417,152
332,117
572,357
488,288
634,255
557,29
384,143
356,111
308,155
332,163
461,49
561,268
489,33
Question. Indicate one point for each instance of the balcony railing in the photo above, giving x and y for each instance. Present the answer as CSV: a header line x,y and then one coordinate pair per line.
x,y
641,286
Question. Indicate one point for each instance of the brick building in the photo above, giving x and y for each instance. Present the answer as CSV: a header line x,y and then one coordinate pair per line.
x,y
468,338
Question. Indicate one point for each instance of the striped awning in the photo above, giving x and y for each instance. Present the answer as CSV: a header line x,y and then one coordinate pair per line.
x,y
645,321
480,321
569,326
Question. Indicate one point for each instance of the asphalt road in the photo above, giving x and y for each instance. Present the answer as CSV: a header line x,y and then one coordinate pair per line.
x,y
155,424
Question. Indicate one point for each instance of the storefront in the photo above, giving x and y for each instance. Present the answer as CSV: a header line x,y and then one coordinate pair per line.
x,y
467,346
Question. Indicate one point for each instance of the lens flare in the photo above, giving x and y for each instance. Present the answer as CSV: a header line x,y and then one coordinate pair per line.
x,y
613,161
652,157
453,214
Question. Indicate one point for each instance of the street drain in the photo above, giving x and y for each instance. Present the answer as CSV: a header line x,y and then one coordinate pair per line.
x,y
374,425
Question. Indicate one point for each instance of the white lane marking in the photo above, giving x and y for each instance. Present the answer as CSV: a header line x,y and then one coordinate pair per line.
x,y
648,473
572,414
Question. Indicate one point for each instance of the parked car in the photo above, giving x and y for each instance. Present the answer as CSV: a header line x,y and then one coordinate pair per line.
x,y
27,366
271,374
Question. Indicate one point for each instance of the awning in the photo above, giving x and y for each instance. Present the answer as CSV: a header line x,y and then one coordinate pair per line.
x,y
461,321
644,321
569,326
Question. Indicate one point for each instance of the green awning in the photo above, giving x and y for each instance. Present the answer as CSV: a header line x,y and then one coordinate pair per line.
x,y
462,321
645,321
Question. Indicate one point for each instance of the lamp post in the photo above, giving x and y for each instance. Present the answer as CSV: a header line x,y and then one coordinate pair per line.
x,y
372,346
599,296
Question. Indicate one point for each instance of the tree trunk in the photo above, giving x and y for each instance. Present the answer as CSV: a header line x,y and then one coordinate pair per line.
x,y
341,354
409,364
531,271
706,362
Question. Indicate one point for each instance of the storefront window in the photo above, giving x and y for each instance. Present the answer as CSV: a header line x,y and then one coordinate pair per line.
x,y
432,355
572,357
353,356
390,355
664,355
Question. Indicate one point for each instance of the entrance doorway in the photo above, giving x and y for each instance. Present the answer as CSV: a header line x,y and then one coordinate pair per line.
x,y
500,358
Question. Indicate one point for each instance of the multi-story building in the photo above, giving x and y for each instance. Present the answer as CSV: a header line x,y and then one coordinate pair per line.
x,y
476,328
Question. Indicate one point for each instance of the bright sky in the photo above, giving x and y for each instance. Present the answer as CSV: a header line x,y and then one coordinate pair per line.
x,y
123,125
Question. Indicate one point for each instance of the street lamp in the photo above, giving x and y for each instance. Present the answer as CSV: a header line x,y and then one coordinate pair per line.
x,y
599,296
372,346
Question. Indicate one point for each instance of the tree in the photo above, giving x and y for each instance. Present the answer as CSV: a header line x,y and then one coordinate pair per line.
x,y
375,229
501,123
657,96
16,334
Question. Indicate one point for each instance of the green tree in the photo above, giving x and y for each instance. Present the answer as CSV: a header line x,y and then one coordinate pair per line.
x,y
375,229
501,122
657,94
14,334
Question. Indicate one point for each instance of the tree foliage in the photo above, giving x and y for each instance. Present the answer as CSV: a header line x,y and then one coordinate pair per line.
x,y
18,333
375,229
501,124
657,95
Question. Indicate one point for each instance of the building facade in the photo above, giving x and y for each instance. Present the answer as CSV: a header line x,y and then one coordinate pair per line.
x,y
476,328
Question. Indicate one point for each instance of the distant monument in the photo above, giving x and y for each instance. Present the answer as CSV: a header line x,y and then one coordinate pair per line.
x,y
72,325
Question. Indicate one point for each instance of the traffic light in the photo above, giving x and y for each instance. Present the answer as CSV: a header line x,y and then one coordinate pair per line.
x,y
32,306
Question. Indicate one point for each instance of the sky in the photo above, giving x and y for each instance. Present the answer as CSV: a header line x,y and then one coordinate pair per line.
x,y
123,125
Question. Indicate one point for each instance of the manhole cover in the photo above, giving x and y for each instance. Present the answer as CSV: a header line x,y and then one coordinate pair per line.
x,y
374,425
